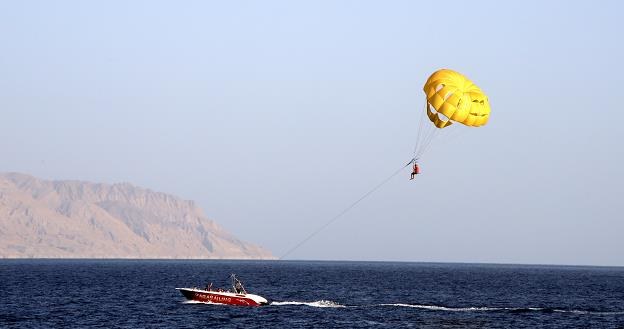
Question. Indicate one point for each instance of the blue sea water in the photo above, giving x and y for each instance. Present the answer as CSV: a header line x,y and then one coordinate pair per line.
x,y
305,294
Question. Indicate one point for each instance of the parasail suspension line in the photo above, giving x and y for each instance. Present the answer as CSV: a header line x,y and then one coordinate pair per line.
x,y
344,211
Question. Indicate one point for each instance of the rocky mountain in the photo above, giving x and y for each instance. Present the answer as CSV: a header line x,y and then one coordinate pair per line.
x,y
73,219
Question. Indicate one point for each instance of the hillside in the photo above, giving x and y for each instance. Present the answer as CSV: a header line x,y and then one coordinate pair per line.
x,y
73,219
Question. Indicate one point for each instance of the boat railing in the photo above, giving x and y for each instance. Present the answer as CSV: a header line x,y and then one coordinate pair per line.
x,y
237,285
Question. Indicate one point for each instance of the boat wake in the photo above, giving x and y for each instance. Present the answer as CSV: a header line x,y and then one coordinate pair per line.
x,y
504,309
444,308
319,303
331,304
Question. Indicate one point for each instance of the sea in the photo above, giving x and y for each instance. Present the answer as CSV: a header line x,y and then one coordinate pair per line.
x,y
309,294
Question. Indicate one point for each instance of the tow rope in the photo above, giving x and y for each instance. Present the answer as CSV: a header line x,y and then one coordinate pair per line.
x,y
347,209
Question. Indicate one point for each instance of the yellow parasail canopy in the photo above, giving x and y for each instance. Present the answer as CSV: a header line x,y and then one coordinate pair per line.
x,y
451,97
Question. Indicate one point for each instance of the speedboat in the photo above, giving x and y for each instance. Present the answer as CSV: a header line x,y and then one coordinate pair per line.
x,y
236,296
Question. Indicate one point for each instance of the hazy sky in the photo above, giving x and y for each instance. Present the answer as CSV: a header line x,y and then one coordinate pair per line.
x,y
276,115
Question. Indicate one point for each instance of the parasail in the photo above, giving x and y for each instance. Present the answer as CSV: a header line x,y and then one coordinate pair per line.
x,y
451,97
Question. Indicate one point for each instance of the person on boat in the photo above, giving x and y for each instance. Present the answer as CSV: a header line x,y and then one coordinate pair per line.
x,y
238,287
415,170
209,286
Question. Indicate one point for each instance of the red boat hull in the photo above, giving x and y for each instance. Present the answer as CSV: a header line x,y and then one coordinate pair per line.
x,y
222,297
